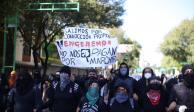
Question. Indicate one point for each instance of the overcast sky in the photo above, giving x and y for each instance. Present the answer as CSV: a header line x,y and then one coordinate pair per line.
x,y
148,21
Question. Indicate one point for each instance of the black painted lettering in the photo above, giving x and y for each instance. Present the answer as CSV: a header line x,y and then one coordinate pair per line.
x,y
75,53
72,61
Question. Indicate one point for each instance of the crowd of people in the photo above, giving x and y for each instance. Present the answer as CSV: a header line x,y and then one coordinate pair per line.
x,y
25,92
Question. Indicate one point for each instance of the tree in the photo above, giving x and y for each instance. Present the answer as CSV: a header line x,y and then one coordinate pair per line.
x,y
7,8
179,42
39,29
132,57
169,62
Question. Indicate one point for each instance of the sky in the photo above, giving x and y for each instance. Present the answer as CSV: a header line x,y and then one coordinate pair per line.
x,y
148,21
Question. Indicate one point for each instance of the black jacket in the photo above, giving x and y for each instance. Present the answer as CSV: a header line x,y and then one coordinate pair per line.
x,y
120,107
66,100
21,103
183,95
160,106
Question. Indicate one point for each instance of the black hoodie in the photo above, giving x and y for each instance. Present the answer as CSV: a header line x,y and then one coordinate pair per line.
x,y
129,81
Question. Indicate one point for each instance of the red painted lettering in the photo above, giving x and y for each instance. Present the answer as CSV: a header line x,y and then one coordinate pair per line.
x,y
87,43
66,43
77,44
103,43
109,42
93,43
98,43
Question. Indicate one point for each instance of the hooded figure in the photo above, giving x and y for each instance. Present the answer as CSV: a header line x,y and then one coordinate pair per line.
x,y
123,77
123,70
147,73
22,97
182,95
188,76
143,82
121,100
65,96
64,75
154,99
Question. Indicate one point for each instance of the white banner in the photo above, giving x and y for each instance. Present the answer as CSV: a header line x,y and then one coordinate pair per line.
x,y
83,47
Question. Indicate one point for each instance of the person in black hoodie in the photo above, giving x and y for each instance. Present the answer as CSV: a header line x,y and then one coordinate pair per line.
x,y
154,99
143,83
123,77
65,96
182,94
121,100
22,97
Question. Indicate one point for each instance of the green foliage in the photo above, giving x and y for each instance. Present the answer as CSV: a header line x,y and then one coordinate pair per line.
x,y
101,13
169,62
131,57
8,7
179,43
116,32
40,29
125,41
52,51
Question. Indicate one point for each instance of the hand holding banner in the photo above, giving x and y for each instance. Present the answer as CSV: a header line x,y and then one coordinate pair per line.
x,y
83,47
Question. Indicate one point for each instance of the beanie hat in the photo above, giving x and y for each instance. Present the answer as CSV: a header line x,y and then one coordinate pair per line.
x,y
65,69
185,67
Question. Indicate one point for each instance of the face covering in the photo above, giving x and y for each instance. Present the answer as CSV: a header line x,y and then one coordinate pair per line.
x,y
121,97
123,71
92,95
64,80
147,75
154,97
37,81
189,79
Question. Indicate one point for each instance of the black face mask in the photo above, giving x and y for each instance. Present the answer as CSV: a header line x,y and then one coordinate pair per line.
x,y
189,80
154,87
102,82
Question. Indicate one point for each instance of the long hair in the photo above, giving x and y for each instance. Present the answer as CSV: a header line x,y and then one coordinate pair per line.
x,y
24,83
